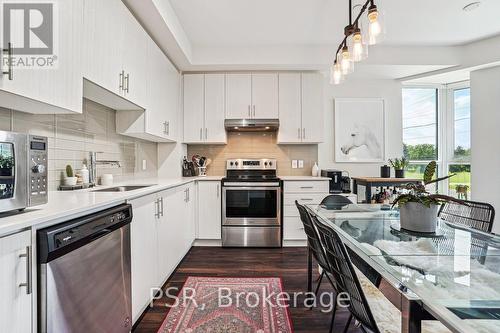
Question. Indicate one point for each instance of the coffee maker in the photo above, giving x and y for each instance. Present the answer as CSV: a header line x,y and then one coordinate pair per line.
x,y
338,182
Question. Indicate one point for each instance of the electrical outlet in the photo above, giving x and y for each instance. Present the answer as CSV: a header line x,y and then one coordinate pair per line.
x,y
301,164
294,164
144,165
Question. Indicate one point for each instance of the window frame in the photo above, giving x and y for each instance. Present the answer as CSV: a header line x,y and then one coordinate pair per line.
x,y
445,127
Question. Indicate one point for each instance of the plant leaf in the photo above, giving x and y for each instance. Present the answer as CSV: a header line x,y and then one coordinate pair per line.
x,y
447,198
439,179
429,172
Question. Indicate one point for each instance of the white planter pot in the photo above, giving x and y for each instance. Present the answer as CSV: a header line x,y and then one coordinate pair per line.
x,y
70,181
416,217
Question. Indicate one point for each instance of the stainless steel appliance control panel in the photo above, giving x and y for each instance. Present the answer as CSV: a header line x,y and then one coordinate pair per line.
x,y
251,164
38,165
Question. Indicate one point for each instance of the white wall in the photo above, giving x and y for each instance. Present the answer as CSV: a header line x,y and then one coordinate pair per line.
x,y
390,91
485,137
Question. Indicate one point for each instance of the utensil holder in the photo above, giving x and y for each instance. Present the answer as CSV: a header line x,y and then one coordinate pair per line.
x,y
202,171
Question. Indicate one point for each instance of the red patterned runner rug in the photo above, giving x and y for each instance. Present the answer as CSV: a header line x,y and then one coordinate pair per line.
x,y
229,305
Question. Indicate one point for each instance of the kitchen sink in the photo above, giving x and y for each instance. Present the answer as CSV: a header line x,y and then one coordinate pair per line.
x,y
124,188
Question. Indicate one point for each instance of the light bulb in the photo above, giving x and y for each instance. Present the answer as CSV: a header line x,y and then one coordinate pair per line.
x,y
357,46
346,61
374,27
335,74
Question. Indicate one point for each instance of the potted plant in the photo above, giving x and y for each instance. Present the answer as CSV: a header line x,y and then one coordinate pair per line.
x,y
419,208
399,165
6,165
70,179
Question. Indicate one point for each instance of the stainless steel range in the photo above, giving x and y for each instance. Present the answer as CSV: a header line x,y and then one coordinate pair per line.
x,y
251,204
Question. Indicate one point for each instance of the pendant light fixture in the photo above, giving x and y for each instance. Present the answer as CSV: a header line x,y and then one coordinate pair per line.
x,y
354,47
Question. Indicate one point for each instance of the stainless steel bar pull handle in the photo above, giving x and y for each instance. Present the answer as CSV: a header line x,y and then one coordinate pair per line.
x,y
168,127
165,127
249,112
157,208
127,86
161,200
304,133
298,133
254,111
122,80
28,284
218,190
206,133
304,187
10,71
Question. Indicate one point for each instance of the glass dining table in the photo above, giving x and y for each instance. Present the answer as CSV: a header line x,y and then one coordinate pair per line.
x,y
452,276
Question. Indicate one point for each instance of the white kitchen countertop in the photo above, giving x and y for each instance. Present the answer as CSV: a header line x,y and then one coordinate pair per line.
x,y
303,178
66,205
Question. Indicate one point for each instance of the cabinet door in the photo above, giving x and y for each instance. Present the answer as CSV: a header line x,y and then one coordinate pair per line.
x,y
312,108
168,238
194,131
265,96
135,50
190,213
144,253
60,85
209,210
15,303
214,108
290,108
103,42
238,96
172,94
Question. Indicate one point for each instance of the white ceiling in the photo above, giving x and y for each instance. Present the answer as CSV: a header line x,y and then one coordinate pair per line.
x,y
313,22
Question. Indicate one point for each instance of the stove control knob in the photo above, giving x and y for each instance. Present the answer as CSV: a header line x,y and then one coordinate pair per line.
x,y
270,163
265,164
236,163
231,163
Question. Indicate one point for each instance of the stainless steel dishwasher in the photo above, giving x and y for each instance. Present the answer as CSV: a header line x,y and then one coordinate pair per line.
x,y
84,274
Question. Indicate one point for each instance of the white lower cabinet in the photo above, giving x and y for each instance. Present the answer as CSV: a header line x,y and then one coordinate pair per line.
x,y
305,192
209,210
16,297
144,252
162,232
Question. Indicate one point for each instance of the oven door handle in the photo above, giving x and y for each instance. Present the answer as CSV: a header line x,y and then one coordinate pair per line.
x,y
251,185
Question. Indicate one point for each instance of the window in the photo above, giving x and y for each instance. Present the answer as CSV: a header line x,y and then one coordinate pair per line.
x,y
420,126
425,139
459,156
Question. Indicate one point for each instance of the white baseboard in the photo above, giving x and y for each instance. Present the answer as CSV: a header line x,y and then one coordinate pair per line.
x,y
294,243
208,242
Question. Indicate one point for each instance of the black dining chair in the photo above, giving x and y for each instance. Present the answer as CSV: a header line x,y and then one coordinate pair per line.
x,y
476,215
315,250
335,201
346,279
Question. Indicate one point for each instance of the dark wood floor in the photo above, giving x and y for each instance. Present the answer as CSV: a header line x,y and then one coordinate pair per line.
x,y
288,263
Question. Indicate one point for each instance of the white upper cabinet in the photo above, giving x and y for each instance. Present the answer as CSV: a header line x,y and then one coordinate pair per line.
x,y
194,108
161,120
301,108
214,108
135,51
115,49
104,36
312,108
265,96
238,96
56,89
290,104
251,96
204,108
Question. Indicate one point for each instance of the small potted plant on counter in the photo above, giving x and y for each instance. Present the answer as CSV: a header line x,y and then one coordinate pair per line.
x,y
419,208
70,179
399,165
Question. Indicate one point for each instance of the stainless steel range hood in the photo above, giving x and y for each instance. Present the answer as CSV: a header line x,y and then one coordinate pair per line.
x,y
251,125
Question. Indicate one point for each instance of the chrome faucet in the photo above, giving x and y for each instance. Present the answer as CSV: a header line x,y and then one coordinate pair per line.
x,y
93,162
